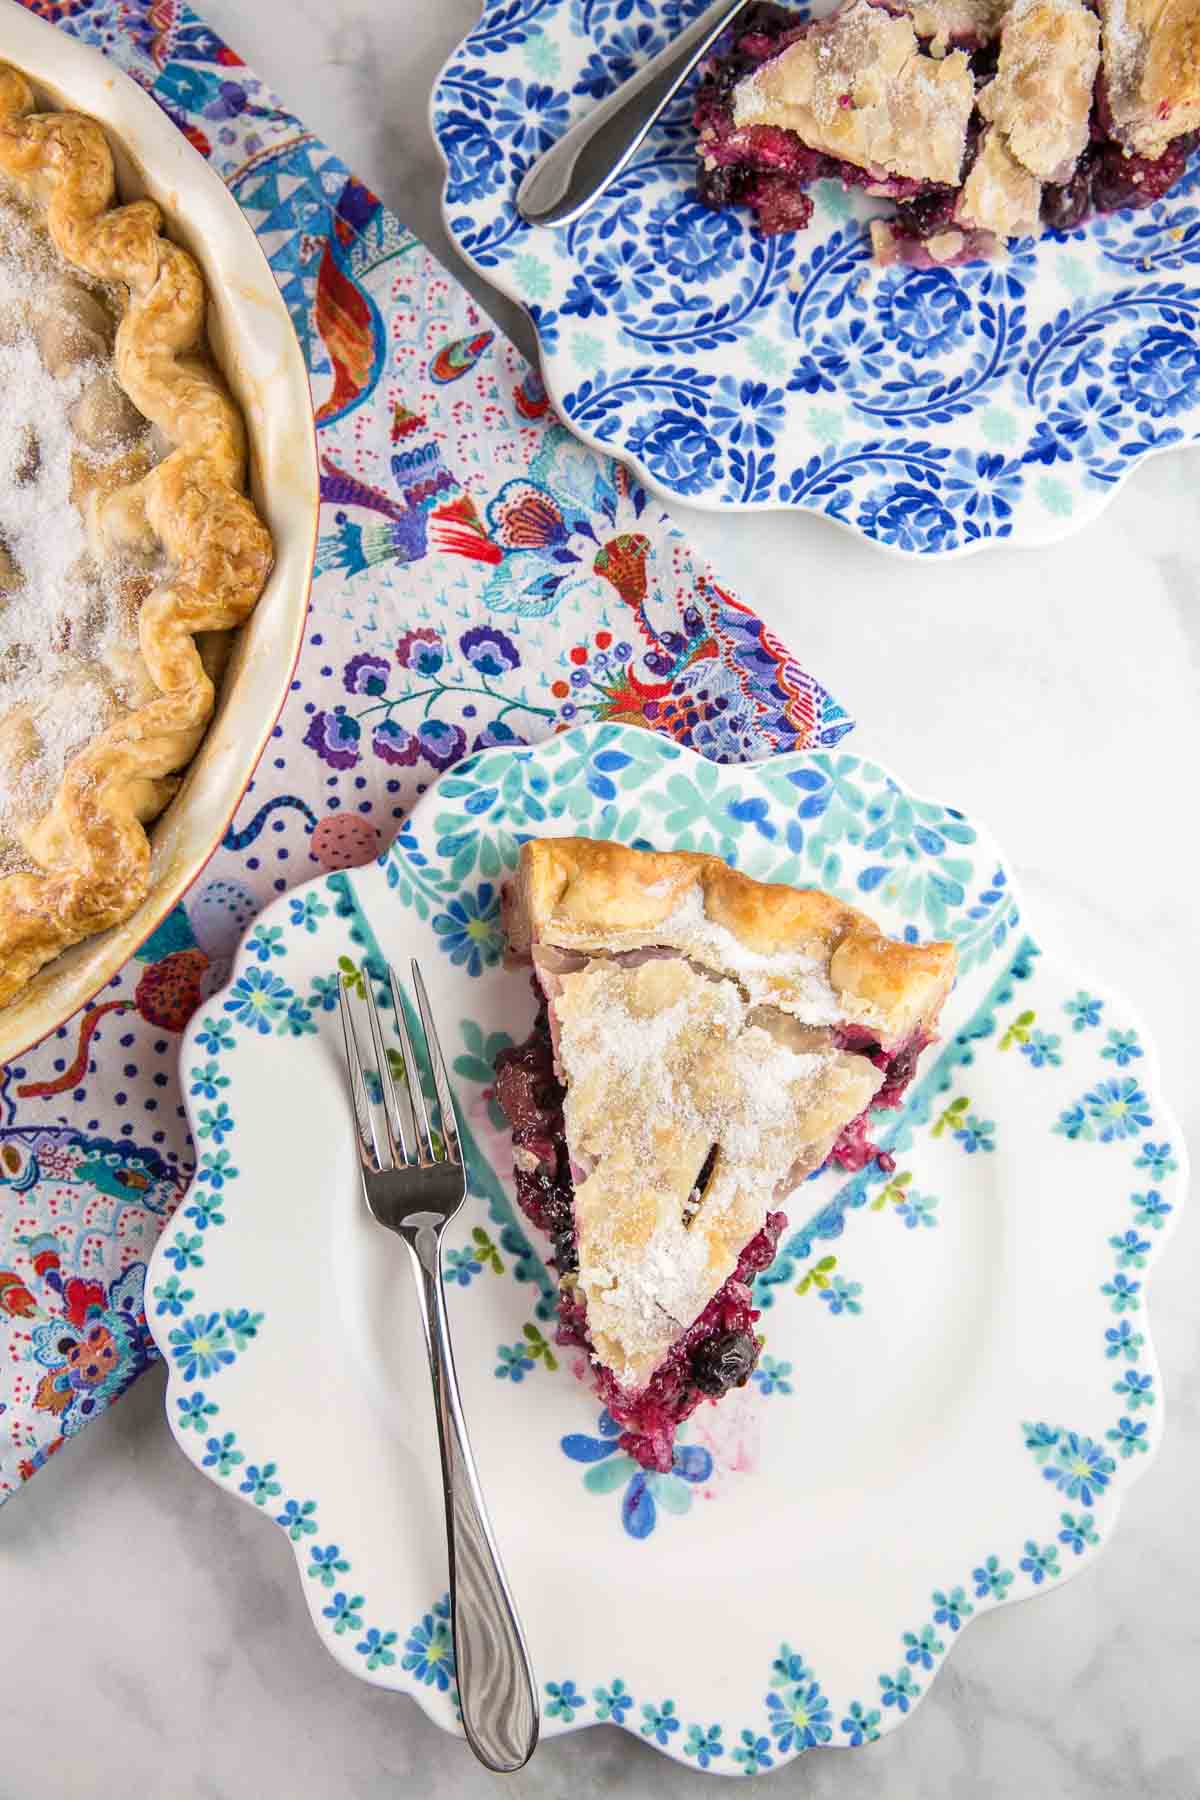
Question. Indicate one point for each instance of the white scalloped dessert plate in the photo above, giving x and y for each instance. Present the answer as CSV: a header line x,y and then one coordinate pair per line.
x,y
957,1386
931,410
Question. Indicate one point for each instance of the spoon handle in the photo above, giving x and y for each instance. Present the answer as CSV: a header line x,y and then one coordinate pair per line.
x,y
574,172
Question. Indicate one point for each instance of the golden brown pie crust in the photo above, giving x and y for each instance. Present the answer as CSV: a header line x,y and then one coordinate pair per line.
x,y
1152,70
999,194
91,849
581,893
858,86
1041,97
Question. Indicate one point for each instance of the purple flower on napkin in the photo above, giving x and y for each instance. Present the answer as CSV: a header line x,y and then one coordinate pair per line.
x,y
489,650
493,736
394,744
366,674
334,736
421,650
441,742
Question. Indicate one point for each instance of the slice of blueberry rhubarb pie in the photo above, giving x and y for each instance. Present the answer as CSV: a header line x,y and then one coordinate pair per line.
x,y
703,1042
982,120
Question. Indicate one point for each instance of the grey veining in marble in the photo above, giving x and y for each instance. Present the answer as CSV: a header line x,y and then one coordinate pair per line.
x,y
153,1638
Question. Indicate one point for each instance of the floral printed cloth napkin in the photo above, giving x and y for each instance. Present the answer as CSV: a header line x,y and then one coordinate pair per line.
x,y
481,578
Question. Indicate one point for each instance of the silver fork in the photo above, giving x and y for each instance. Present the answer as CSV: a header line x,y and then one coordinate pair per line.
x,y
414,1183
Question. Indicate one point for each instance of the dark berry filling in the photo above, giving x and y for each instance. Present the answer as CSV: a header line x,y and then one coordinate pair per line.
x,y
1107,180
719,1349
531,1099
767,169
899,1066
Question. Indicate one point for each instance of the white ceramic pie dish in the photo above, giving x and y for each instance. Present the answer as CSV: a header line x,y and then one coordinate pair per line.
x,y
252,336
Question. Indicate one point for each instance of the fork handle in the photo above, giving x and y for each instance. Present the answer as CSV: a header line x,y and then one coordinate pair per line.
x,y
496,1688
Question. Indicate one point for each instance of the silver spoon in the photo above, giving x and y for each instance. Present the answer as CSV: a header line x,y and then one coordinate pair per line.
x,y
574,172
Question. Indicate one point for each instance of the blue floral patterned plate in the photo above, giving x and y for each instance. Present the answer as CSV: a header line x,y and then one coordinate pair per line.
x,y
957,1387
931,410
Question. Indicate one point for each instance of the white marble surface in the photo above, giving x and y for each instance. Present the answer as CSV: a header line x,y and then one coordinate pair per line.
x,y
153,1638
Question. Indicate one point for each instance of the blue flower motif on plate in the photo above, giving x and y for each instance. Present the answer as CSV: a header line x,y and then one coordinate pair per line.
x,y
1079,1468
1134,1390
469,930
200,1346
1158,371
1152,1209
950,1609
1158,1159
861,1726
613,1702
1040,1564
344,1612
528,116
799,1717
257,1000
991,1581
746,413
772,1377
1130,1437
475,170
1123,1340
326,1563
704,1744
1042,1050
924,311
1078,1532
645,1491
429,1650
1084,1010
752,1753
659,1722
676,448
899,1690
691,241
1118,1108
921,1648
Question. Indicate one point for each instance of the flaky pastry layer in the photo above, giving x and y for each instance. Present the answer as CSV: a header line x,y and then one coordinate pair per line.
x,y
830,959
1152,69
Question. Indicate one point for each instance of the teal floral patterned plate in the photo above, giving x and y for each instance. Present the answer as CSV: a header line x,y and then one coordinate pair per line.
x,y
957,1386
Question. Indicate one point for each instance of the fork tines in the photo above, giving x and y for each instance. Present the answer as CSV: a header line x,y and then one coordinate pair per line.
x,y
396,1131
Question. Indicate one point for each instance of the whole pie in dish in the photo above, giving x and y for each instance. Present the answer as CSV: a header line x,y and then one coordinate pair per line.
x,y
703,1043
982,120
128,547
